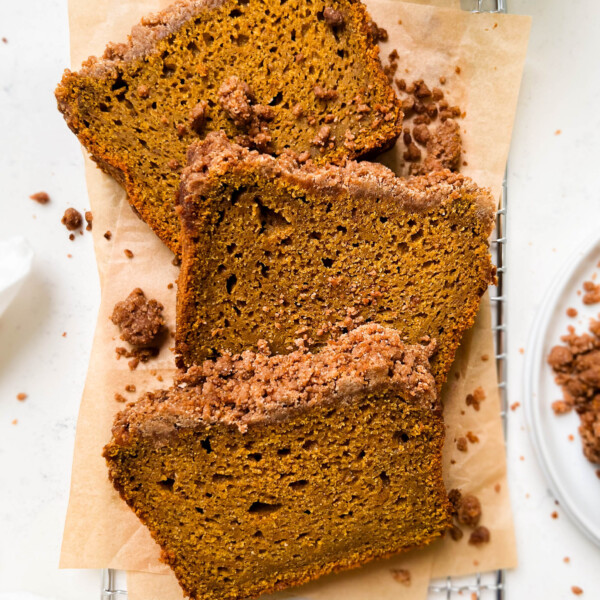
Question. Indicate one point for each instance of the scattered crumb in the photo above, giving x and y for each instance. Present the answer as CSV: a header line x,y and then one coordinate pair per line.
x,y
128,253
170,286
485,357
456,533
572,312
137,355
89,217
457,70
592,292
130,387
469,511
461,444
14,421
72,219
4,40
120,397
40,197
566,560
21,397
521,350
560,407
557,132
576,590
401,576
108,235
442,80
480,535
497,488
554,515
176,262
476,398
515,405
71,237
474,596
571,437
64,334
521,458
473,439
69,256
159,377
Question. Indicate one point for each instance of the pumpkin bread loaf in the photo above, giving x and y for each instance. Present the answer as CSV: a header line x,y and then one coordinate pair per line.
x,y
274,250
273,75
256,472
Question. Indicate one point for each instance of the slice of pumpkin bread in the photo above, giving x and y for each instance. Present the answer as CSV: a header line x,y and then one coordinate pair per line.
x,y
274,250
273,74
255,472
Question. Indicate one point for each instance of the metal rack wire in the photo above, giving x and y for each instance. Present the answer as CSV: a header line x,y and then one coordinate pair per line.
x,y
481,586
487,586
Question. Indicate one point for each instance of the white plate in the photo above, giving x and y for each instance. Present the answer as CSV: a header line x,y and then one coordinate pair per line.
x,y
571,476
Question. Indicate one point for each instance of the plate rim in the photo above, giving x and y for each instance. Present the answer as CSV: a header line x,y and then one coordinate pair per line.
x,y
534,362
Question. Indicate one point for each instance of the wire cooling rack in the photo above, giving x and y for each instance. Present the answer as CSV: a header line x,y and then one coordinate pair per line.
x,y
481,586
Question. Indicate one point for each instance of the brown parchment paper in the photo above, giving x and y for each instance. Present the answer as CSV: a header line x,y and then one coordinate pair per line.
x,y
100,531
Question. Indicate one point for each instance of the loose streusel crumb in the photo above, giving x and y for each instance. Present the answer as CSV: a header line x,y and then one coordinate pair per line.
x,y
514,406
473,439
128,253
120,397
480,535
72,219
461,444
40,197
577,370
427,147
21,397
566,560
139,320
401,576
130,388
108,235
476,398
89,217
576,590
469,511
554,515
137,355
592,292
572,312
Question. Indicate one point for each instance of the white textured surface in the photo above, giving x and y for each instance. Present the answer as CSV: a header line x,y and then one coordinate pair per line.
x,y
554,202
